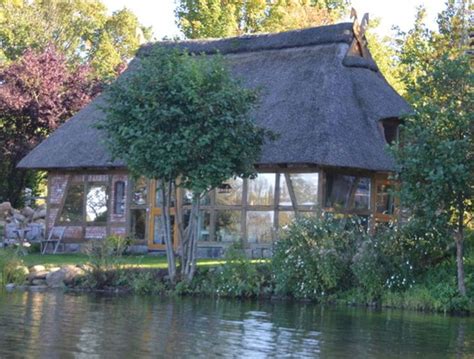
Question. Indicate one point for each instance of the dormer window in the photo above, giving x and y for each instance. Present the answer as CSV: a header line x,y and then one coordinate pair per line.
x,y
390,129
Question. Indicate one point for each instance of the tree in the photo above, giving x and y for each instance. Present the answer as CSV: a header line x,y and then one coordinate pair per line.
x,y
38,92
217,18
437,154
183,121
79,29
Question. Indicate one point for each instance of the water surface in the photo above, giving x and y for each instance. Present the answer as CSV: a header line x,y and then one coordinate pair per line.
x,y
58,325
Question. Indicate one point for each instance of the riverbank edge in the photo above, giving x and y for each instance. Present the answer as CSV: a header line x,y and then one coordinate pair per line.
x,y
77,279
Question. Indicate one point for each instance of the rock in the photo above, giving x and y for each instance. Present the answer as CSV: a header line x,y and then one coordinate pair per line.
x,y
10,286
38,288
56,279
38,275
28,212
37,268
18,217
71,273
38,282
39,214
5,208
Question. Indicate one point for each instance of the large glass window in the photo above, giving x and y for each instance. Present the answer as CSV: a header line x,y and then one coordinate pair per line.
x,y
305,188
261,190
228,226
347,192
230,192
159,229
259,226
139,195
73,204
96,203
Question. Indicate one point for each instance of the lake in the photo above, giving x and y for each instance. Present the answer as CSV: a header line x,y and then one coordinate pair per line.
x,y
63,325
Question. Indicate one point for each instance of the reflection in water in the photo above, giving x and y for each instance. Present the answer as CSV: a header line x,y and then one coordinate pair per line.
x,y
84,326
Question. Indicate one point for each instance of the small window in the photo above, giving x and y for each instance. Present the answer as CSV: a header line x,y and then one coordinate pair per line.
x,y
119,197
96,203
390,130
138,223
73,205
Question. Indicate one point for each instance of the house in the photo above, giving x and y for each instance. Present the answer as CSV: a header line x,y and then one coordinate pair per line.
x,y
320,91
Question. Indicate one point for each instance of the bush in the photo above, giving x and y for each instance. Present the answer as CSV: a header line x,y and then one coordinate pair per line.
x,y
12,269
313,258
239,277
145,282
104,264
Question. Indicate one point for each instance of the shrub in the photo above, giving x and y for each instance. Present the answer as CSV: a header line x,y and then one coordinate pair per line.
x,y
104,264
239,277
313,257
12,269
145,282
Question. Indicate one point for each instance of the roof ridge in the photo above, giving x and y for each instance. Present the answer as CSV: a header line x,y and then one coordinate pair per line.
x,y
336,33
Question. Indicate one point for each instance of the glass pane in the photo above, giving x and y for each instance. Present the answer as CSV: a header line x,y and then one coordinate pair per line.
x,y
139,196
96,204
138,223
228,226
338,190
159,196
119,197
362,194
385,200
261,190
159,229
305,186
285,218
285,199
73,204
204,224
259,226
230,192
188,198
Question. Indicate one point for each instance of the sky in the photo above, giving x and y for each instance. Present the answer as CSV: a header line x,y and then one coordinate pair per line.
x,y
159,14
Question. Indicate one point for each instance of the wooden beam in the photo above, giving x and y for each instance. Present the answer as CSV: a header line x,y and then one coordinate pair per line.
x,y
292,193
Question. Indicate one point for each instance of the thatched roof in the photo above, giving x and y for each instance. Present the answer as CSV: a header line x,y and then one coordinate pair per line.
x,y
324,103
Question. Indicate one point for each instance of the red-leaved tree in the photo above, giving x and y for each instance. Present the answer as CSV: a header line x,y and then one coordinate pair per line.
x,y
38,92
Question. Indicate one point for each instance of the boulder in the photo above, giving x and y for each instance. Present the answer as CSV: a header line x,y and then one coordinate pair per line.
x,y
56,279
71,273
37,268
41,274
28,212
19,218
38,282
39,214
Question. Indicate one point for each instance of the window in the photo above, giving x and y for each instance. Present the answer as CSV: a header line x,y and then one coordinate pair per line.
x,y
390,130
73,204
139,194
347,192
228,226
119,197
261,190
259,226
385,202
230,192
305,187
96,203
159,229
138,223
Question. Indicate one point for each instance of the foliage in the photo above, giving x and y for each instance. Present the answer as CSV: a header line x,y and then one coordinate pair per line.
x,y
11,267
104,261
39,92
436,163
81,30
215,18
313,257
173,101
238,277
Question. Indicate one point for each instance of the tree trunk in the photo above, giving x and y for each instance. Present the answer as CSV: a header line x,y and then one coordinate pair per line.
x,y
459,238
193,241
165,212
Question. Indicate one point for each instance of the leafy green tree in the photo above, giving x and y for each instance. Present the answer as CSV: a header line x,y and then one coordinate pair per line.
x,y
80,29
184,121
437,154
217,18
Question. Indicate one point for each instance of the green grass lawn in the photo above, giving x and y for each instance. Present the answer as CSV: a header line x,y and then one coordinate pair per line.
x,y
145,261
